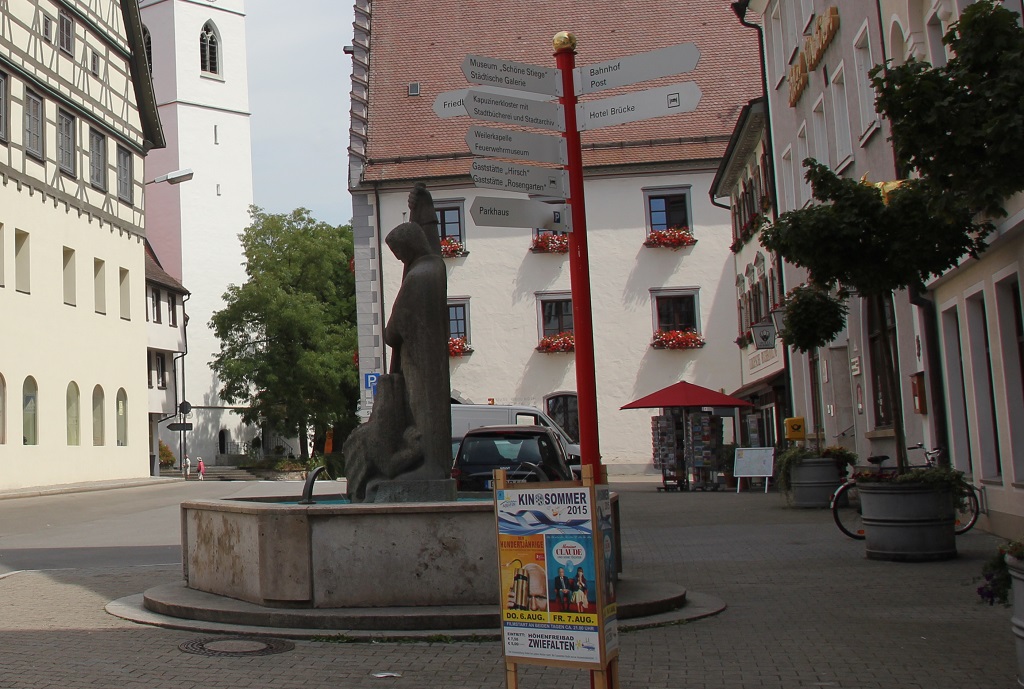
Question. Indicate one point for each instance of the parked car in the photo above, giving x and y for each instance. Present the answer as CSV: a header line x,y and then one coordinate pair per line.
x,y
467,416
526,453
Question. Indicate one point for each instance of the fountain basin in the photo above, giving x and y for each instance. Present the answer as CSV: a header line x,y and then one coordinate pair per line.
x,y
341,556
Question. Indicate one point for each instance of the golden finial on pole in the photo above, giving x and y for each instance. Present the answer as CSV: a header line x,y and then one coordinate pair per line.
x,y
564,40
884,188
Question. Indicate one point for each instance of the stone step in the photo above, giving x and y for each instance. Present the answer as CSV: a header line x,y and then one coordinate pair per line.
x,y
226,473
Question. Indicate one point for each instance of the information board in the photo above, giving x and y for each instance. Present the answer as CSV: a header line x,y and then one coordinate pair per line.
x,y
754,461
557,597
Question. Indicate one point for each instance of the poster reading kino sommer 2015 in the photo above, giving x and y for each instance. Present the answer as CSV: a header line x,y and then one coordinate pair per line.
x,y
549,576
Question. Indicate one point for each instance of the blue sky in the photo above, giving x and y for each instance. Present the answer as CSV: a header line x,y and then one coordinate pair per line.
x,y
298,96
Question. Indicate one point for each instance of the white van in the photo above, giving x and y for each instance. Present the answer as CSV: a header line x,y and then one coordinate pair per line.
x,y
467,416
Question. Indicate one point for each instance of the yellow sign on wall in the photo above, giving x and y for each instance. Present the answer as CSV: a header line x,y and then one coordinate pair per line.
x,y
795,428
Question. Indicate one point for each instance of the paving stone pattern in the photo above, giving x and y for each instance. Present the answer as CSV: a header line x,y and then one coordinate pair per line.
x,y
806,609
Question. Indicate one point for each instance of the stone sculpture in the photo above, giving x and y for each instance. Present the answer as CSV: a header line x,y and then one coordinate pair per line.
x,y
403,452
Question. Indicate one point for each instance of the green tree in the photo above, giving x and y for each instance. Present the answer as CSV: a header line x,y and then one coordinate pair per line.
x,y
288,335
960,128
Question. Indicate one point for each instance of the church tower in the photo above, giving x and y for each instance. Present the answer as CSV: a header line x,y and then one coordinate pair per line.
x,y
197,55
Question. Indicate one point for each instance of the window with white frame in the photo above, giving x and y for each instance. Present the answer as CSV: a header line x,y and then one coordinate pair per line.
x,y
667,209
66,142
786,179
802,186
676,309
172,309
97,416
820,131
458,318
161,371
792,29
67,32
34,144
449,224
3,107
97,159
3,410
30,412
22,262
121,412
125,175
936,50
209,49
563,409
555,309
70,278
74,414
778,46
806,15
125,284
99,285
863,62
155,305
841,118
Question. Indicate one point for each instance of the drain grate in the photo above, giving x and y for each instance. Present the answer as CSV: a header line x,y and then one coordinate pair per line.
x,y
236,646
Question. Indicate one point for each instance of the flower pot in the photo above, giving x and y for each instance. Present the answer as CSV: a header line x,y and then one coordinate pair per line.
x,y
813,481
907,522
1016,568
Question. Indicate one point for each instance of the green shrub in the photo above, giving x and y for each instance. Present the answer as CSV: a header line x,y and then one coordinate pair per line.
x,y
167,458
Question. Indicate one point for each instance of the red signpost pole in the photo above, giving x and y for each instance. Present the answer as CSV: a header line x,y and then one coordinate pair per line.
x,y
579,263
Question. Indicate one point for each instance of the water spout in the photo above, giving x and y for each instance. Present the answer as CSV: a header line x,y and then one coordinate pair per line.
x,y
307,490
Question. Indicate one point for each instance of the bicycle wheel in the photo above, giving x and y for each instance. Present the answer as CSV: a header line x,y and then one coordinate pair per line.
x,y
967,515
846,510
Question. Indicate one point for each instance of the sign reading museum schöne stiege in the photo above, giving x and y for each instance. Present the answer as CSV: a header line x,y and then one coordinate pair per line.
x,y
552,577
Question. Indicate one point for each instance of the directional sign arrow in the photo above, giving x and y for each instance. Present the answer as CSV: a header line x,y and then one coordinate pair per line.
x,y
482,105
506,143
632,69
528,179
508,212
642,105
179,426
453,103
512,75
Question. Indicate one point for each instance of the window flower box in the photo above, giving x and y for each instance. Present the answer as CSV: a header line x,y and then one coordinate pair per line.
x,y
562,342
745,340
677,339
457,346
550,244
672,238
450,248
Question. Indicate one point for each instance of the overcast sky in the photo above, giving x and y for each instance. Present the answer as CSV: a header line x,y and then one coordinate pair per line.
x,y
298,96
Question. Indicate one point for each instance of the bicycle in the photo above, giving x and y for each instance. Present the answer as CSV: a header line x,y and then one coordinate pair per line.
x,y
845,503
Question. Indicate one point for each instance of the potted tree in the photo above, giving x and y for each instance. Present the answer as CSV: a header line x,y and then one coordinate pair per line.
x,y
1003,577
879,238
808,478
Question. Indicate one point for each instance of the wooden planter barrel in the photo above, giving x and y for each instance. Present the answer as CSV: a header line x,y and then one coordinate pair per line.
x,y
813,481
908,522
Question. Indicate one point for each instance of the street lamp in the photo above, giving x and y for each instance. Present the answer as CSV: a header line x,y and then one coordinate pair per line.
x,y
176,177
778,317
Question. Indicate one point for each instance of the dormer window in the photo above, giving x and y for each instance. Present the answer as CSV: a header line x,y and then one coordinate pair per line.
x,y
209,50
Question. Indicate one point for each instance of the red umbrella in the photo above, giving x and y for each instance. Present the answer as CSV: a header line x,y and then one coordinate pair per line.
x,y
683,394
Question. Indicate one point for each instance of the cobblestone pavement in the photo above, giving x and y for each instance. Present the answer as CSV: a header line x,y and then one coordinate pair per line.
x,y
806,609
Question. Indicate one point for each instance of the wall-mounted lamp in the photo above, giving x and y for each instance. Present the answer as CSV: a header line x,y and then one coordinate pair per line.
x,y
176,177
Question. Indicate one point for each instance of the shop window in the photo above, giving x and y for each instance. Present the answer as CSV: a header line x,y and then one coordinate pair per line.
x,y
563,409
30,412
98,429
122,417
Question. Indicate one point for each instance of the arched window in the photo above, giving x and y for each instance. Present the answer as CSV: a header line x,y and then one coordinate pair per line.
x,y
97,416
147,42
122,417
209,49
563,410
3,410
74,414
30,412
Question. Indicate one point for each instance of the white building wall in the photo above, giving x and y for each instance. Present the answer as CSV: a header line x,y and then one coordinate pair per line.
x,y
502,277
196,224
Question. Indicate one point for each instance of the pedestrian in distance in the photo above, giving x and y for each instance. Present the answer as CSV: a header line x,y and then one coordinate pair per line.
x,y
187,466
202,470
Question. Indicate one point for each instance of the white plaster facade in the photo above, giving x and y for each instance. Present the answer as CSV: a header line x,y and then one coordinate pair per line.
x,y
165,326
503,280
72,348
194,226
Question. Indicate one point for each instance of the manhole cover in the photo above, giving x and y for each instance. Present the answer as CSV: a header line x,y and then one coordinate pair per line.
x,y
236,646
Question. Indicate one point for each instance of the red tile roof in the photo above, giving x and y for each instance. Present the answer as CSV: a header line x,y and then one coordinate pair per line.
x,y
425,42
